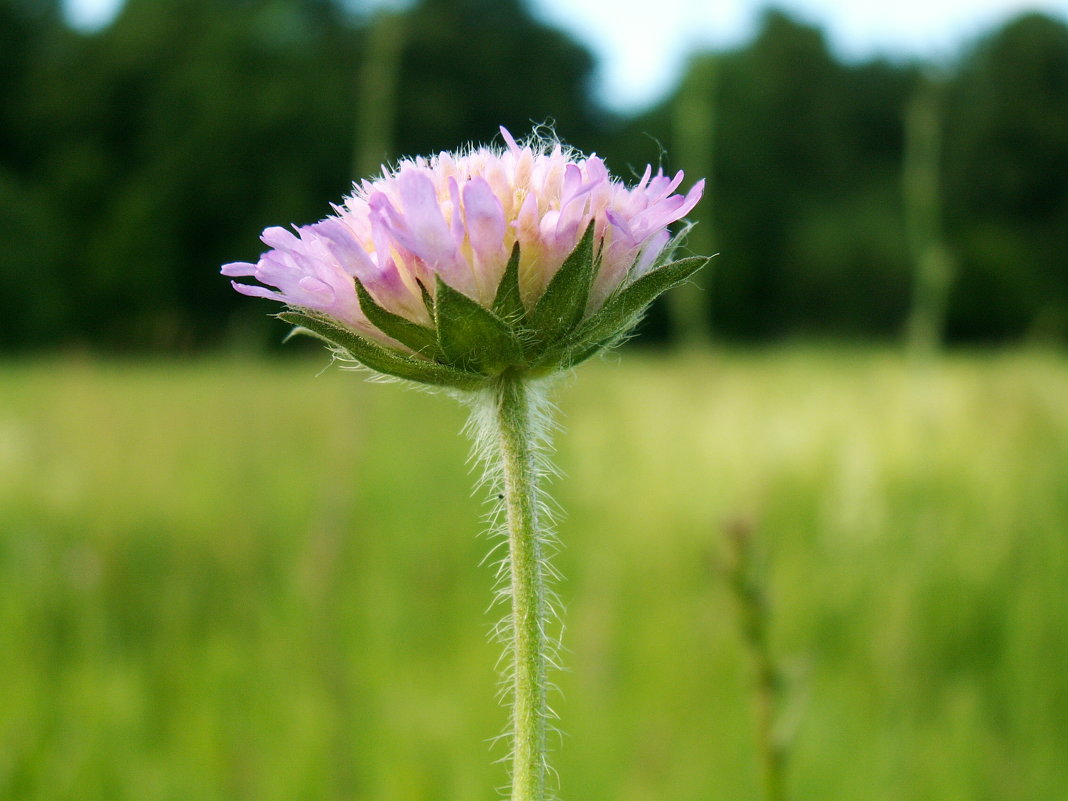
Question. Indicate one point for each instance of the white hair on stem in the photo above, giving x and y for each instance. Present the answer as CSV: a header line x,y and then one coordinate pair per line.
x,y
485,430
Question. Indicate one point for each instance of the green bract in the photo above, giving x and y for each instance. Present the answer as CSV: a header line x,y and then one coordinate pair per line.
x,y
470,344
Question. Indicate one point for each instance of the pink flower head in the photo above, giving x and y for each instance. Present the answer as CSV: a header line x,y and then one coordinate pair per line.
x,y
457,217
455,269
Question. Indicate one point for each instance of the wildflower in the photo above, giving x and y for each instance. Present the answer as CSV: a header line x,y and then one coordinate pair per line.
x,y
454,269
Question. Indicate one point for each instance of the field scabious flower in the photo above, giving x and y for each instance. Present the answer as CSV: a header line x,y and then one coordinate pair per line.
x,y
454,269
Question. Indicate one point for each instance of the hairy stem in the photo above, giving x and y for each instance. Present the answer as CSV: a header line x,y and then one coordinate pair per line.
x,y
517,436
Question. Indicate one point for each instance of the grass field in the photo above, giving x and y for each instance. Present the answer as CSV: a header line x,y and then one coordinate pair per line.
x,y
240,580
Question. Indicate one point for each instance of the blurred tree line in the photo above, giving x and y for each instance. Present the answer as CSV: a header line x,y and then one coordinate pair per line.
x,y
136,159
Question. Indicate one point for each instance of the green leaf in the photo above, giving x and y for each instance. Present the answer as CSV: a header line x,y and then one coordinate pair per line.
x,y
417,337
381,359
470,335
508,305
563,303
625,307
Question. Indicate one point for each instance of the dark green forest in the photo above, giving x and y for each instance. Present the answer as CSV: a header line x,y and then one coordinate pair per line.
x,y
872,200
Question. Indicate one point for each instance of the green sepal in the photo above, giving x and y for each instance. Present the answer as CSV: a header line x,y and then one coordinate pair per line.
x,y
428,300
579,355
621,312
508,304
471,336
561,306
381,359
417,337
623,309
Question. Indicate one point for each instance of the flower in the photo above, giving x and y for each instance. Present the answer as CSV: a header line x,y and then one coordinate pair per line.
x,y
455,268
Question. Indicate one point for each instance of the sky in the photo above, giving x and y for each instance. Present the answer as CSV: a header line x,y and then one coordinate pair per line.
x,y
640,53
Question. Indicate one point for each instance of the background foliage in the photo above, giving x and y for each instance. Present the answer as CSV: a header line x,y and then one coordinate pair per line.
x,y
135,159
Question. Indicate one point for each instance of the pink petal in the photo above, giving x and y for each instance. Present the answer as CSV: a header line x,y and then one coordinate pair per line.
x,y
572,183
693,197
254,291
350,254
652,248
645,178
238,268
485,219
620,222
508,140
278,237
457,228
430,236
318,289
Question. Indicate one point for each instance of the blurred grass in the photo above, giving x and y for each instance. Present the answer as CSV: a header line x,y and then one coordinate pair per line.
x,y
240,580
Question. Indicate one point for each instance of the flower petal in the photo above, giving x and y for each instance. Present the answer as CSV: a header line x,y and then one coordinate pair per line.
x,y
484,217
238,268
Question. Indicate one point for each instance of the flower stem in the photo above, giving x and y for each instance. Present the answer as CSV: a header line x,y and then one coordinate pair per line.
x,y
516,418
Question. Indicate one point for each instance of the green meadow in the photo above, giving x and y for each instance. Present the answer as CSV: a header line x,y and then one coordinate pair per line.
x,y
232,579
